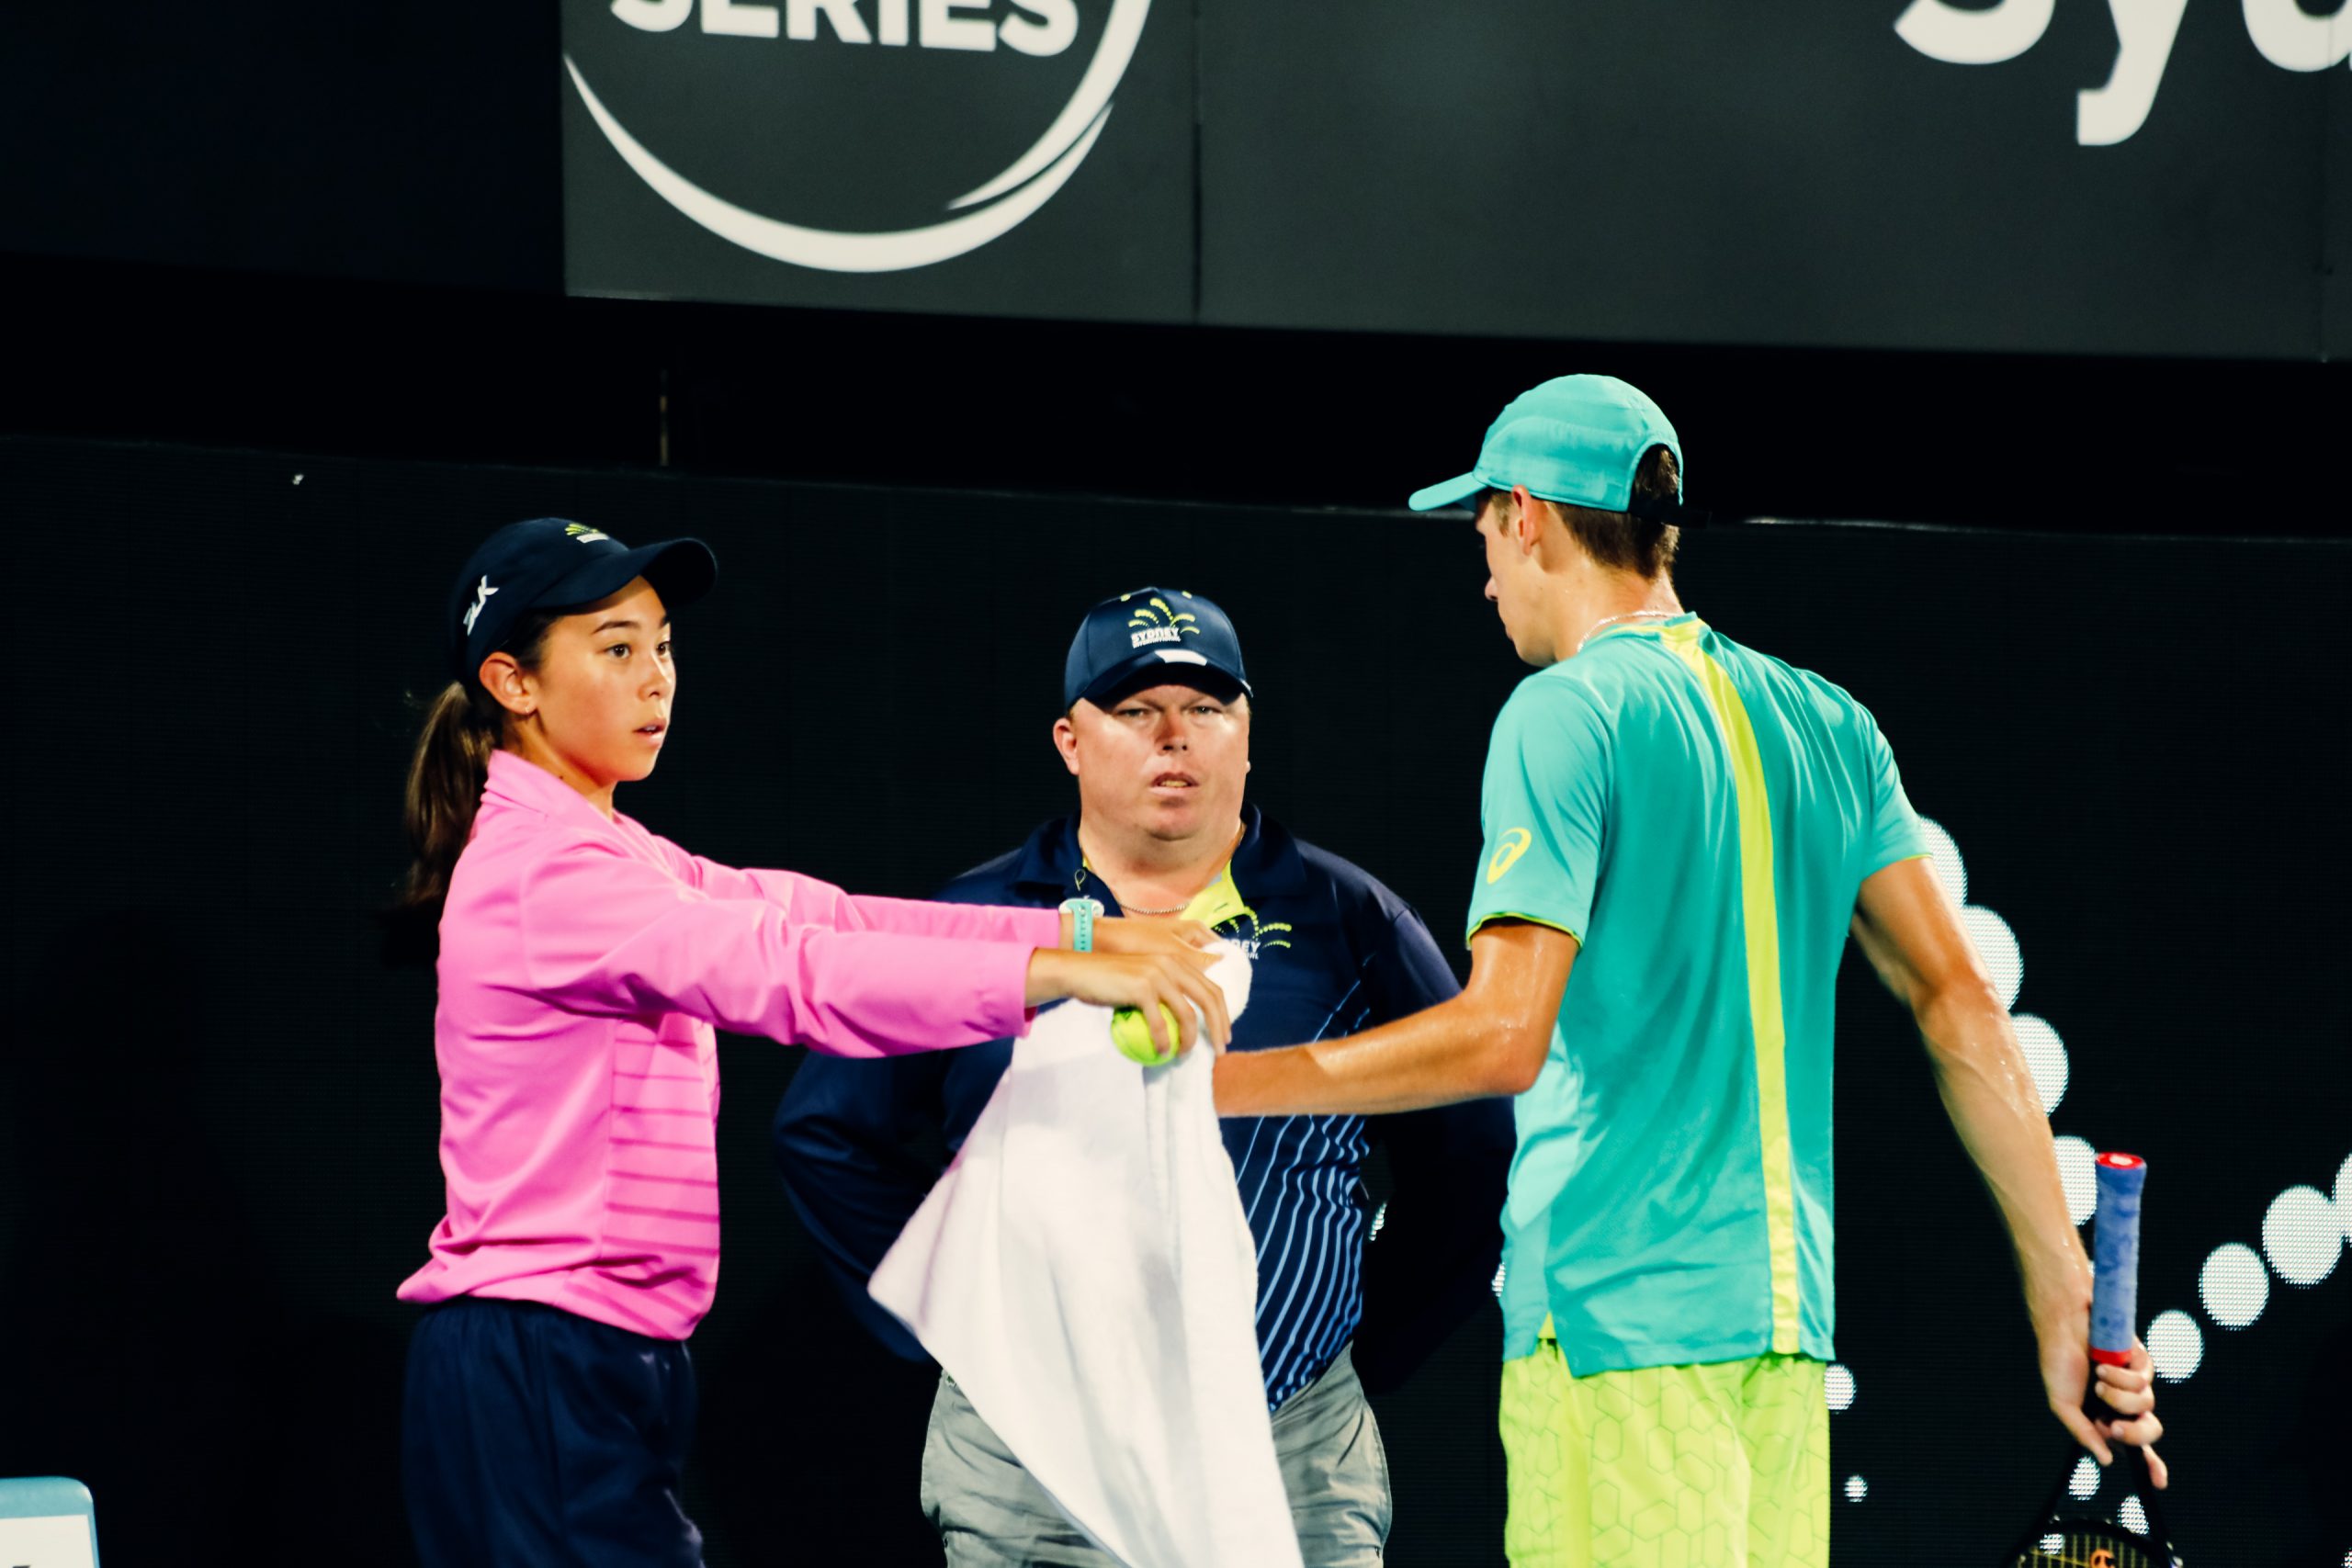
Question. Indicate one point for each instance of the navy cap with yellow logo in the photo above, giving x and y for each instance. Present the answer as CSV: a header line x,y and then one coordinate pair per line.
x,y
1153,637
548,563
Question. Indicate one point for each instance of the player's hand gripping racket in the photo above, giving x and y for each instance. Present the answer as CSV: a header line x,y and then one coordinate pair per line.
x,y
2089,1520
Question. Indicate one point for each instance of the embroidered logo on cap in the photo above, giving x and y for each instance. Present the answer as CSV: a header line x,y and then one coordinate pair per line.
x,y
481,597
585,533
1161,624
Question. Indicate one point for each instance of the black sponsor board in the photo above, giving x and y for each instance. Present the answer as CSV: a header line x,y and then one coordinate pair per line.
x,y
1802,172
1025,157
2027,176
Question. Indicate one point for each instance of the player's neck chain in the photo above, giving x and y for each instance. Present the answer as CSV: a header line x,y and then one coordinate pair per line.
x,y
1629,616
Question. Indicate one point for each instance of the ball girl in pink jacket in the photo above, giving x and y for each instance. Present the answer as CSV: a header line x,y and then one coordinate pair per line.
x,y
584,964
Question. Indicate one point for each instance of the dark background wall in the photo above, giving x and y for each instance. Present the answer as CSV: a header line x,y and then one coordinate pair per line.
x,y
341,231
217,1115
287,333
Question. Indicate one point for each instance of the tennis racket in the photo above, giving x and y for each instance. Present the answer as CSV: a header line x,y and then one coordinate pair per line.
x,y
2106,1519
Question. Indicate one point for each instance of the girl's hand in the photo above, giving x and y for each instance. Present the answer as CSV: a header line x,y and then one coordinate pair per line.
x,y
1177,979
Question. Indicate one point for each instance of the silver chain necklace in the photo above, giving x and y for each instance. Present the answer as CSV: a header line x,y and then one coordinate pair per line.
x,y
1127,908
1628,615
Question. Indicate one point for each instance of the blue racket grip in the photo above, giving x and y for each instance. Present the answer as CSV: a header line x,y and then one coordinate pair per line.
x,y
2115,1257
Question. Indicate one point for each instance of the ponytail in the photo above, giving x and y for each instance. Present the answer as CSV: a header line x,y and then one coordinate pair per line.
x,y
446,778
445,785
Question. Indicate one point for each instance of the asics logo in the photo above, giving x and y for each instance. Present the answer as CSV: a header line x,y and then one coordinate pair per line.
x,y
1514,844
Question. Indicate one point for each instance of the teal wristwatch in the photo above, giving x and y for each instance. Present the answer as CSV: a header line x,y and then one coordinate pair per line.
x,y
1083,913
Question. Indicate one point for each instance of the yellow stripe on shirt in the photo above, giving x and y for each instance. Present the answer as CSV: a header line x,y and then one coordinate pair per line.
x,y
1761,919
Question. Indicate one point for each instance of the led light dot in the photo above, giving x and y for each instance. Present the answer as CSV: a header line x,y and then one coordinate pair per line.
x,y
2084,1483
1943,859
2344,1209
1379,1218
2078,1173
1856,1489
2045,1057
1997,946
2133,1516
2234,1285
1838,1381
2053,1543
1500,1269
2302,1235
2175,1345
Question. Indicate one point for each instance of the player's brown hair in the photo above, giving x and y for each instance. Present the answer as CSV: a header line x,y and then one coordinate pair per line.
x,y
1619,540
462,728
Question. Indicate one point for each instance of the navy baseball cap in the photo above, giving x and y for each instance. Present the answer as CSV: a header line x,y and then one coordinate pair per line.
x,y
548,563
1575,438
1151,636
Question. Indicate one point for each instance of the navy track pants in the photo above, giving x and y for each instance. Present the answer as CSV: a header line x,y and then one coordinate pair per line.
x,y
531,1436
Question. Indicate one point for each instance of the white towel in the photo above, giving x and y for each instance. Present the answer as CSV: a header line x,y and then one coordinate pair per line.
x,y
1085,1273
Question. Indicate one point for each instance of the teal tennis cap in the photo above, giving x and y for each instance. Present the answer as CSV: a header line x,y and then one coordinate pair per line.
x,y
1575,439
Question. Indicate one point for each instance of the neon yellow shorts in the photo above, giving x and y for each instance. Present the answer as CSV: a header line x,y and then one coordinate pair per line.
x,y
1720,1466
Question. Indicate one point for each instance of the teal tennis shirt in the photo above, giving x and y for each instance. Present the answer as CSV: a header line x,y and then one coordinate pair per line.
x,y
1701,817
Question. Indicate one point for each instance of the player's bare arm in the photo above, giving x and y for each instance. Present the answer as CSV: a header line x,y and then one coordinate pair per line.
x,y
1490,1040
1912,935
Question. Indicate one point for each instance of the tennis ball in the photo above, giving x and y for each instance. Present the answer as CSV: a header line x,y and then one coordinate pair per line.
x,y
1132,1038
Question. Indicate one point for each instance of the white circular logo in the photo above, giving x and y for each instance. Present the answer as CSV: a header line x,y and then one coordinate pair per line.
x,y
984,213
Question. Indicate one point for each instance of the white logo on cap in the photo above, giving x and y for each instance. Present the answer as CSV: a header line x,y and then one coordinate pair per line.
x,y
481,597
1157,634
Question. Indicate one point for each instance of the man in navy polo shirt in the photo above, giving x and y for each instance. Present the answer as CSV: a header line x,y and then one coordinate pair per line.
x,y
1157,732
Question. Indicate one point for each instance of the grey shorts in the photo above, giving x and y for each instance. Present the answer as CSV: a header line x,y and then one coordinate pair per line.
x,y
990,1514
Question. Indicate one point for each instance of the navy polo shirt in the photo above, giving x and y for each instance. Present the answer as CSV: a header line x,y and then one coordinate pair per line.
x,y
860,1143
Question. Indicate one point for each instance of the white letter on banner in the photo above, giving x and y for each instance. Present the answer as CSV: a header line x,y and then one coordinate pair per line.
x,y
736,19
1055,30
942,28
653,15
2286,34
891,21
800,19
1945,32
2145,31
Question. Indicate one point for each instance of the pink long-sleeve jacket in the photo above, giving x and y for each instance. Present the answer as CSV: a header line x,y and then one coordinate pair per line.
x,y
584,963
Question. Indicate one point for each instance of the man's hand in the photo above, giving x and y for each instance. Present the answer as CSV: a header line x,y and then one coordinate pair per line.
x,y
2129,1392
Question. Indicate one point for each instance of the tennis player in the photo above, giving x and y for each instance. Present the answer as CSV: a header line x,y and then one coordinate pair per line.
x,y
1679,834
584,963
1158,713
